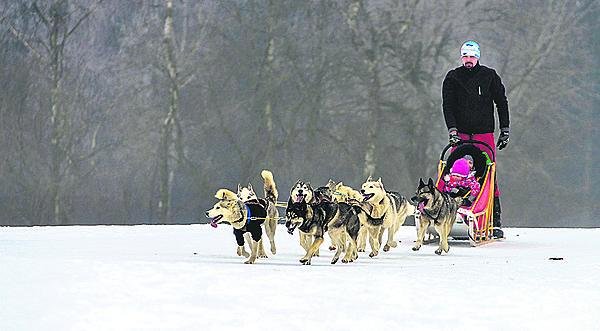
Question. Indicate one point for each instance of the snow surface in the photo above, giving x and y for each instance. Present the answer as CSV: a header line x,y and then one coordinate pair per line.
x,y
189,278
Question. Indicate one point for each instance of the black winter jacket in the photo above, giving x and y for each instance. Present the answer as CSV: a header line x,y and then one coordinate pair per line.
x,y
468,97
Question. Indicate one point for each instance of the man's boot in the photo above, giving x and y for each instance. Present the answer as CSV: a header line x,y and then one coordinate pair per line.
x,y
497,233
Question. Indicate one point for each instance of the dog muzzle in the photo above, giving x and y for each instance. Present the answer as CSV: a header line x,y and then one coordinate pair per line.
x,y
292,224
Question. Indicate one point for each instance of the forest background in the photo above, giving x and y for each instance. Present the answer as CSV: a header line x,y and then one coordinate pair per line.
x,y
129,112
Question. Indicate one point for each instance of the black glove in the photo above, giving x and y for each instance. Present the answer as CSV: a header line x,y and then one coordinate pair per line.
x,y
453,137
503,139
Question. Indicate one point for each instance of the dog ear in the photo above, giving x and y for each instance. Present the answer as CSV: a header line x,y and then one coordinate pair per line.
x,y
225,194
239,189
430,182
370,179
250,187
338,185
421,183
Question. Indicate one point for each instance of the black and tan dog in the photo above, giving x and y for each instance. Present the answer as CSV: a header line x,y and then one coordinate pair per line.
x,y
245,217
438,208
340,220
344,193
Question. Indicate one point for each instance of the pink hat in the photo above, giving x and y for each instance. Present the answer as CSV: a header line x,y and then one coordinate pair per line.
x,y
460,168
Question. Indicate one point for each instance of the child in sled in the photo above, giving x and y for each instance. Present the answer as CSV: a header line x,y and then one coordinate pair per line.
x,y
461,181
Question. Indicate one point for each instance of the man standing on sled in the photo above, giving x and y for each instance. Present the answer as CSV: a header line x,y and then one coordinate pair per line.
x,y
469,93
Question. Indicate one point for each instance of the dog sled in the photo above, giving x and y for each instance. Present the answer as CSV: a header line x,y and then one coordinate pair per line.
x,y
473,223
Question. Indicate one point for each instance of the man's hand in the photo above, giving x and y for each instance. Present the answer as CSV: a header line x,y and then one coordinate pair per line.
x,y
503,139
453,137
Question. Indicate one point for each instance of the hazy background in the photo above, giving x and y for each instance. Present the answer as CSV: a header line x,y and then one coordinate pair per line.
x,y
126,112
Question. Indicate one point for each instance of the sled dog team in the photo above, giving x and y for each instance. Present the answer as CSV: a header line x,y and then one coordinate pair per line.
x,y
349,216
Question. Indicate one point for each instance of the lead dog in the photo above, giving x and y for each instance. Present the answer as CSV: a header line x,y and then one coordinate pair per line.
x,y
245,218
438,208
247,195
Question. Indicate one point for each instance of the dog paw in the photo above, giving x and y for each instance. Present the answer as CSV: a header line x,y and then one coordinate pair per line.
x,y
386,248
332,248
273,250
250,261
334,261
246,254
305,262
438,251
361,250
416,248
393,244
263,256
372,254
346,260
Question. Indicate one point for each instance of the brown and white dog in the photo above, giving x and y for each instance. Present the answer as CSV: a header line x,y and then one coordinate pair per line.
x,y
384,211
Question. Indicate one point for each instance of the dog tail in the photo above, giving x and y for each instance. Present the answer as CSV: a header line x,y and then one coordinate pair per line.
x,y
271,193
225,194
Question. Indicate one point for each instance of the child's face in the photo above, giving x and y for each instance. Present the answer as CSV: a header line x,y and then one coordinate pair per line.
x,y
470,164
456,177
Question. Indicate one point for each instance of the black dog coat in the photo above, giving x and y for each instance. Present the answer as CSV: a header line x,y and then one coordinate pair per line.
x,y
256,216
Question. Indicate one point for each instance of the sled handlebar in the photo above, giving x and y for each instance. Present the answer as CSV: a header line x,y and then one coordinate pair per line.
x,y
466,142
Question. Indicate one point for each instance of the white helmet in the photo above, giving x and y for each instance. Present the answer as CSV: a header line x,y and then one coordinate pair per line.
x,y
470,48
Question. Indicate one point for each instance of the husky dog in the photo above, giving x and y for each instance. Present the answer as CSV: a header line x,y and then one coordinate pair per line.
x,y
245,217
247,195
384,211
324,193
437,207
302,191
343,193
313,220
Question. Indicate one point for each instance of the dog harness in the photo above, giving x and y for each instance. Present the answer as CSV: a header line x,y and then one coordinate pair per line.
x,y
252,224
437,217
249,214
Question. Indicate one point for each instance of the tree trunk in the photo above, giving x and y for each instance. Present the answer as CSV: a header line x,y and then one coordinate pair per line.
x,y
269,68
57,117
374,87
171,133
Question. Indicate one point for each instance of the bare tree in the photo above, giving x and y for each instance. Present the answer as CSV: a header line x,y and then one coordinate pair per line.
x,y
59,21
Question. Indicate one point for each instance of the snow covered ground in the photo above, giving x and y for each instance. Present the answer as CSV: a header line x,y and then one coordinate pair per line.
x,y
189,278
